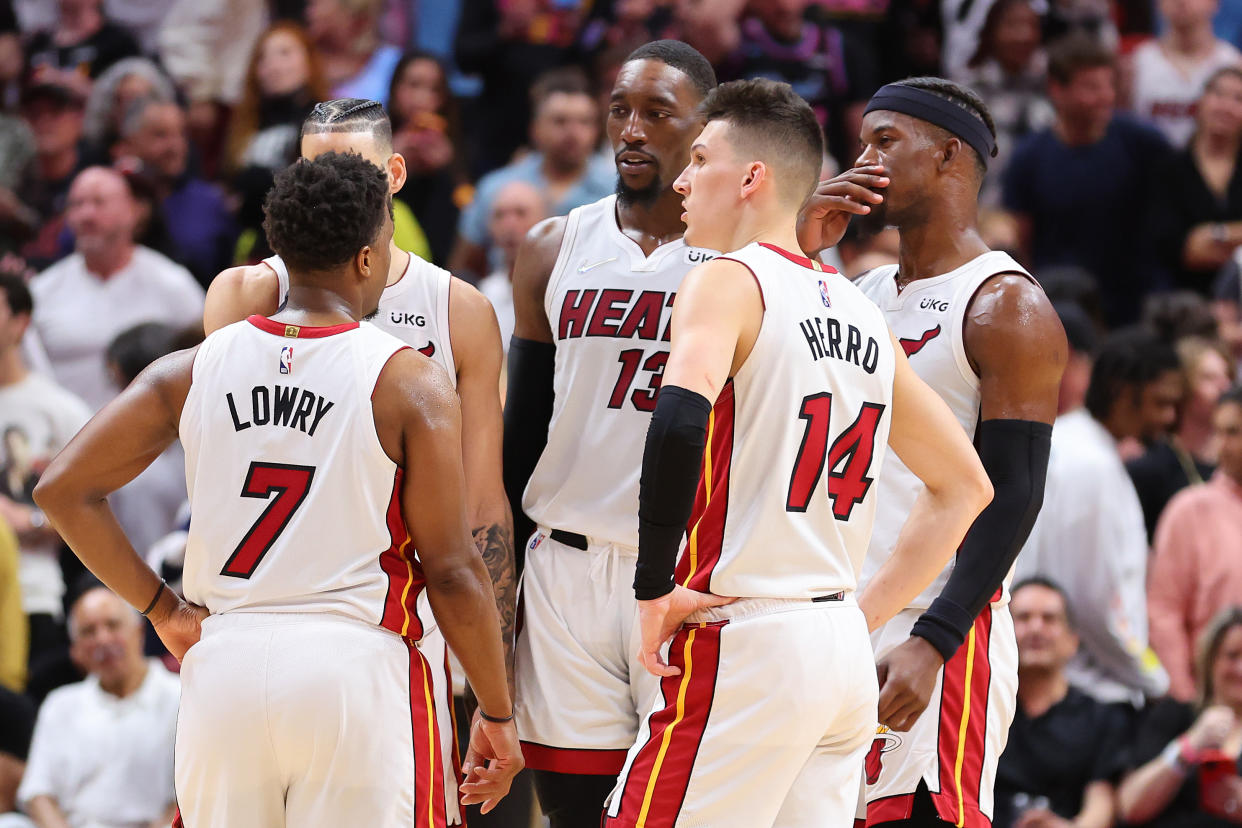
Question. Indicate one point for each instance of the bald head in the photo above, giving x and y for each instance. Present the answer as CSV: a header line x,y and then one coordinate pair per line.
x,y
518,207
105,636
101,212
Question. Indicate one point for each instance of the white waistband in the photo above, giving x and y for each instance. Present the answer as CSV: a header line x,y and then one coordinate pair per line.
x,y
744,607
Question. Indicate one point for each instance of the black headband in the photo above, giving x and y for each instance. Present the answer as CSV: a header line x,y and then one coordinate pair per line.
x,y
930,107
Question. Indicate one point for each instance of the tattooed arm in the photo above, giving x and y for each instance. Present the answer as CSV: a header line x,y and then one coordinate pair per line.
x,y
495,542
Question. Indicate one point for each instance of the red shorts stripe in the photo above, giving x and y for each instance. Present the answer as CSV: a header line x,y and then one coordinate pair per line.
x,y
429,807
405,574
962,739
573,760
889,809
655,786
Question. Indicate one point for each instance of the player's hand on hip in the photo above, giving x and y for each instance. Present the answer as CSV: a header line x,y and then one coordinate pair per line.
x,y
660,617
824,218
907,678
492,760
177,622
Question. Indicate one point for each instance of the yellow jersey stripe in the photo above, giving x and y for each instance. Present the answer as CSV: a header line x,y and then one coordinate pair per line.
x,y
693,545
961,733
668,733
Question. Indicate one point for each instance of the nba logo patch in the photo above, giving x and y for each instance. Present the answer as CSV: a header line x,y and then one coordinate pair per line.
x,y
823,294
286,359
535,541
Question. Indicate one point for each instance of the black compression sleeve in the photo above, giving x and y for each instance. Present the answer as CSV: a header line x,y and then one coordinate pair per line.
x,y
528,411
671,466
1015,456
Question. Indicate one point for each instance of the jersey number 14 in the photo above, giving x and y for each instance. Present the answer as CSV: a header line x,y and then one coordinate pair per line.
x,y
847,460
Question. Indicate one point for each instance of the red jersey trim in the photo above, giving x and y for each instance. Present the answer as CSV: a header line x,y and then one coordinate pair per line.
x,y
298,331
598,762
705,531
810,264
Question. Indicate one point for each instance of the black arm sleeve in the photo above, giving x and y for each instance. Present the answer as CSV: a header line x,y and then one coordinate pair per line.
x,y
528,411
1015,456
672,462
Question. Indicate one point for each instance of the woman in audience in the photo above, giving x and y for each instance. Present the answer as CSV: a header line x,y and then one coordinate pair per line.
x,y
1009,70
1185,757
355,60
284,81
1198,209
426,131
1189,454
123,83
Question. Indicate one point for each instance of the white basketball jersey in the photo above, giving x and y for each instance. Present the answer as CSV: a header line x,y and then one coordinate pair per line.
x,y
414,309
295,504
928,318
1165,97
785,502
609,307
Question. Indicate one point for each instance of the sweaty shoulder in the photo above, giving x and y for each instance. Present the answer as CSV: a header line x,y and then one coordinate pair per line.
x,y
536,259
412,391
237,293
1009,306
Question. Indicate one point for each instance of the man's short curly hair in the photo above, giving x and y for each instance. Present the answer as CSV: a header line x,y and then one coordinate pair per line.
x,y
321,213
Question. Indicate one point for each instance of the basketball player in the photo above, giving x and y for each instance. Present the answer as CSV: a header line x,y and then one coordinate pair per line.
x,y
979,330
306,702
592,297
790,379
445,319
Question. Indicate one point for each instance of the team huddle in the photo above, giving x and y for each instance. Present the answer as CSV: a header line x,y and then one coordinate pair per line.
x,y
765,517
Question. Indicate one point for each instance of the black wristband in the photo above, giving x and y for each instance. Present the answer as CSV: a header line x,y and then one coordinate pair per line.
x,y
942,625
156,599
494,719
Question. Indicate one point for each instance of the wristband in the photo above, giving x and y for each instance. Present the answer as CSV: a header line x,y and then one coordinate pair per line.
x,y
155,600
495,719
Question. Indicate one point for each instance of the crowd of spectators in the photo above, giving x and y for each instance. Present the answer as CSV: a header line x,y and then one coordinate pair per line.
x,y
138,139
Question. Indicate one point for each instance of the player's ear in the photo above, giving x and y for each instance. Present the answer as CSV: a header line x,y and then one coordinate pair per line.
x,y
364,261
948,152
755,175
396,172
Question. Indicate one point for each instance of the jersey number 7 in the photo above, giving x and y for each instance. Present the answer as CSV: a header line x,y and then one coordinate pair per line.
x,y
848,460
289,484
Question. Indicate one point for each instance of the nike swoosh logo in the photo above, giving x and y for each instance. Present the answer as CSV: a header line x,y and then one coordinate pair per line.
x,y
429,350
913,346
584,268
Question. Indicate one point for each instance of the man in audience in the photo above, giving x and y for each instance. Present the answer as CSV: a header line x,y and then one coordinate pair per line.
x,y
1082,189
518,207
37,418
1196,570
1065,748
107,285
55,115
1080,332
195,212
102,753
1170,71
564,166
81,45
1090,535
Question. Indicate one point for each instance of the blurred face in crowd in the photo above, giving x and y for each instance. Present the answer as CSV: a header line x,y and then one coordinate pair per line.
x,y
12,326
57,127
160,140
1188,14
652,121
565,129
1220,108
906,147
1046,642
783,17
1207,379
517,208
70,8
1227,670
283,66
1017,36
1227,424
101,212
418,89
363,143
11,59
106,639
1086,102
1153,407
337,23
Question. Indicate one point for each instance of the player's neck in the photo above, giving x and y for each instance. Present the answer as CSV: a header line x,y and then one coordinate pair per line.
x,y
400,264
654,225
777,228
319,307
944,243
12,369
1039,690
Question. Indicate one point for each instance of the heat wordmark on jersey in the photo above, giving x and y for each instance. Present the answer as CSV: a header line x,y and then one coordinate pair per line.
x,y
614,312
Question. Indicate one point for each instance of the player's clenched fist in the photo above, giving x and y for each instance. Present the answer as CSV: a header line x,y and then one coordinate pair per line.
x,y
907,678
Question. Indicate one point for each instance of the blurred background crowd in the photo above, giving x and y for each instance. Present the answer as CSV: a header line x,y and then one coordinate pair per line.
x,y
139,137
